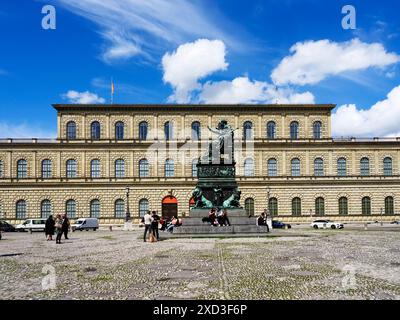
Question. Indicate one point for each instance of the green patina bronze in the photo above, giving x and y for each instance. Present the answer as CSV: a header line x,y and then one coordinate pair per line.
x,y
217,186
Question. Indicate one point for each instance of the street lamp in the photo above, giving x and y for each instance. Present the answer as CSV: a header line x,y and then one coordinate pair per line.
x,y
128,214
268,213
381,216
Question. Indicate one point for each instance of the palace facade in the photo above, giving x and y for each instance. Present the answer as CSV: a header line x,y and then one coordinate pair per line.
x,y
285,156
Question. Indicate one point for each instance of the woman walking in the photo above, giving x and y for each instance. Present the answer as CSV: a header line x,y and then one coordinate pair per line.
x,y
49,228
59,231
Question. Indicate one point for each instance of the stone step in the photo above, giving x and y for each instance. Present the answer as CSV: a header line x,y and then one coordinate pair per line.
x,y
220,230
232,220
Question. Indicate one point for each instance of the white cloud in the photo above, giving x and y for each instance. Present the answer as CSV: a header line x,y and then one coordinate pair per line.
x,y
191,62
24,130
82,97
244,90
313,61
382,119
132,27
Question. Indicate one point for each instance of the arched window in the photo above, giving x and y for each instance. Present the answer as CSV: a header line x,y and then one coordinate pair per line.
x,y
168,130
70,208
366,205
144,168
1,169
317,130
272,167
143,128
341,167
45,209
196,131
71,168
71,130
143,207
95,208
22,169
271,130
20,209
120,168
343,206
46,169
247,130
119,130
273,206
364,167
169,168
194,168
295,167
319,206
249,206
294,130
387,166
95,170
249,167
119,208
389,205
95,130
318,167
296,206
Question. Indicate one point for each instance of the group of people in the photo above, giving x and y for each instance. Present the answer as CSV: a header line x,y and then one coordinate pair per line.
x,y
60,225
151,221
217,218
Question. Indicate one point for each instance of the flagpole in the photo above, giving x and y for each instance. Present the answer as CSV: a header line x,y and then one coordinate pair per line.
x,y
112,90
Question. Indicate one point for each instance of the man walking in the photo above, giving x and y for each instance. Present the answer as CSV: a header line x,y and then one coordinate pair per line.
x,y
65,226
147,224
154,224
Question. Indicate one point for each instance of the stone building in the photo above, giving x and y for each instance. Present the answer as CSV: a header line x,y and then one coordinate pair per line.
x,y
285,156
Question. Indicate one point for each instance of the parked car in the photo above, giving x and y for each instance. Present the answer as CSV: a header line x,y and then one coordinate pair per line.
x,y
6,227
280,225
85,224
317,224
32,225
395,222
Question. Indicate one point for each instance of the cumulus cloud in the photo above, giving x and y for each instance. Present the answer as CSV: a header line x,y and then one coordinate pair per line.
x,y
82,97
191,62
382,119
25,130
313,61
243,90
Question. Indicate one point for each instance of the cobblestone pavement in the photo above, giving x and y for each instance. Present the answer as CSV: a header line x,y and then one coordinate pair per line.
x,y
297,264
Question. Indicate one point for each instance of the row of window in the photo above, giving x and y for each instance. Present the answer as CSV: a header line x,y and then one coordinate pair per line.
x,y
144,171
95,130
143,207
319,209
70,208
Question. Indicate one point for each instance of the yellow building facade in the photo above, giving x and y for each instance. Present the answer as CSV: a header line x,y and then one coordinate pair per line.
x,y
285,157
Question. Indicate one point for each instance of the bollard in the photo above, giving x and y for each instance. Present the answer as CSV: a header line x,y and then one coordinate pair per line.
x,y
365,226
110,227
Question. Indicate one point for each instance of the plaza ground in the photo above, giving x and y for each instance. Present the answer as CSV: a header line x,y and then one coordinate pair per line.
x,y
299,263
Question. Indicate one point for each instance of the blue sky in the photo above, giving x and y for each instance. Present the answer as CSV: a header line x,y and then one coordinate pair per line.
x,y
200,51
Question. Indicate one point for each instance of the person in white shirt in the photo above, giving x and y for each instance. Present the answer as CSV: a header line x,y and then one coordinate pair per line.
x,y
147,224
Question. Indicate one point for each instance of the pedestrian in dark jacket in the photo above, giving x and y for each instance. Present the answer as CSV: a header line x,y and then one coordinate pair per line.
x,y
154,224
58,225
49,228
65,226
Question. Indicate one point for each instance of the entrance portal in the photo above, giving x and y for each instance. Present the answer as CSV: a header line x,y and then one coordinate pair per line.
x,y
169,207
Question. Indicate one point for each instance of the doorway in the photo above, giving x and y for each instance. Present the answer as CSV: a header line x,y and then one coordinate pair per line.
x,y
169,207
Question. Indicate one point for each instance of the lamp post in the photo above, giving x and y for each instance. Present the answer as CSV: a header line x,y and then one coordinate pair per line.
x,y
128,214
381,216
268,218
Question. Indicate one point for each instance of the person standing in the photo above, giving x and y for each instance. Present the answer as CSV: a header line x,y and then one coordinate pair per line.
x,y
58,226
147,224
65,226
225,219
49,228
154,224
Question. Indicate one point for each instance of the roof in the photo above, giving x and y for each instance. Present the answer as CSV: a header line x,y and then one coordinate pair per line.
x,y
178,107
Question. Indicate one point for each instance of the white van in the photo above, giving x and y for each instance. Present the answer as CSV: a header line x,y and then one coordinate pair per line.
x,y
85,224
32,225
